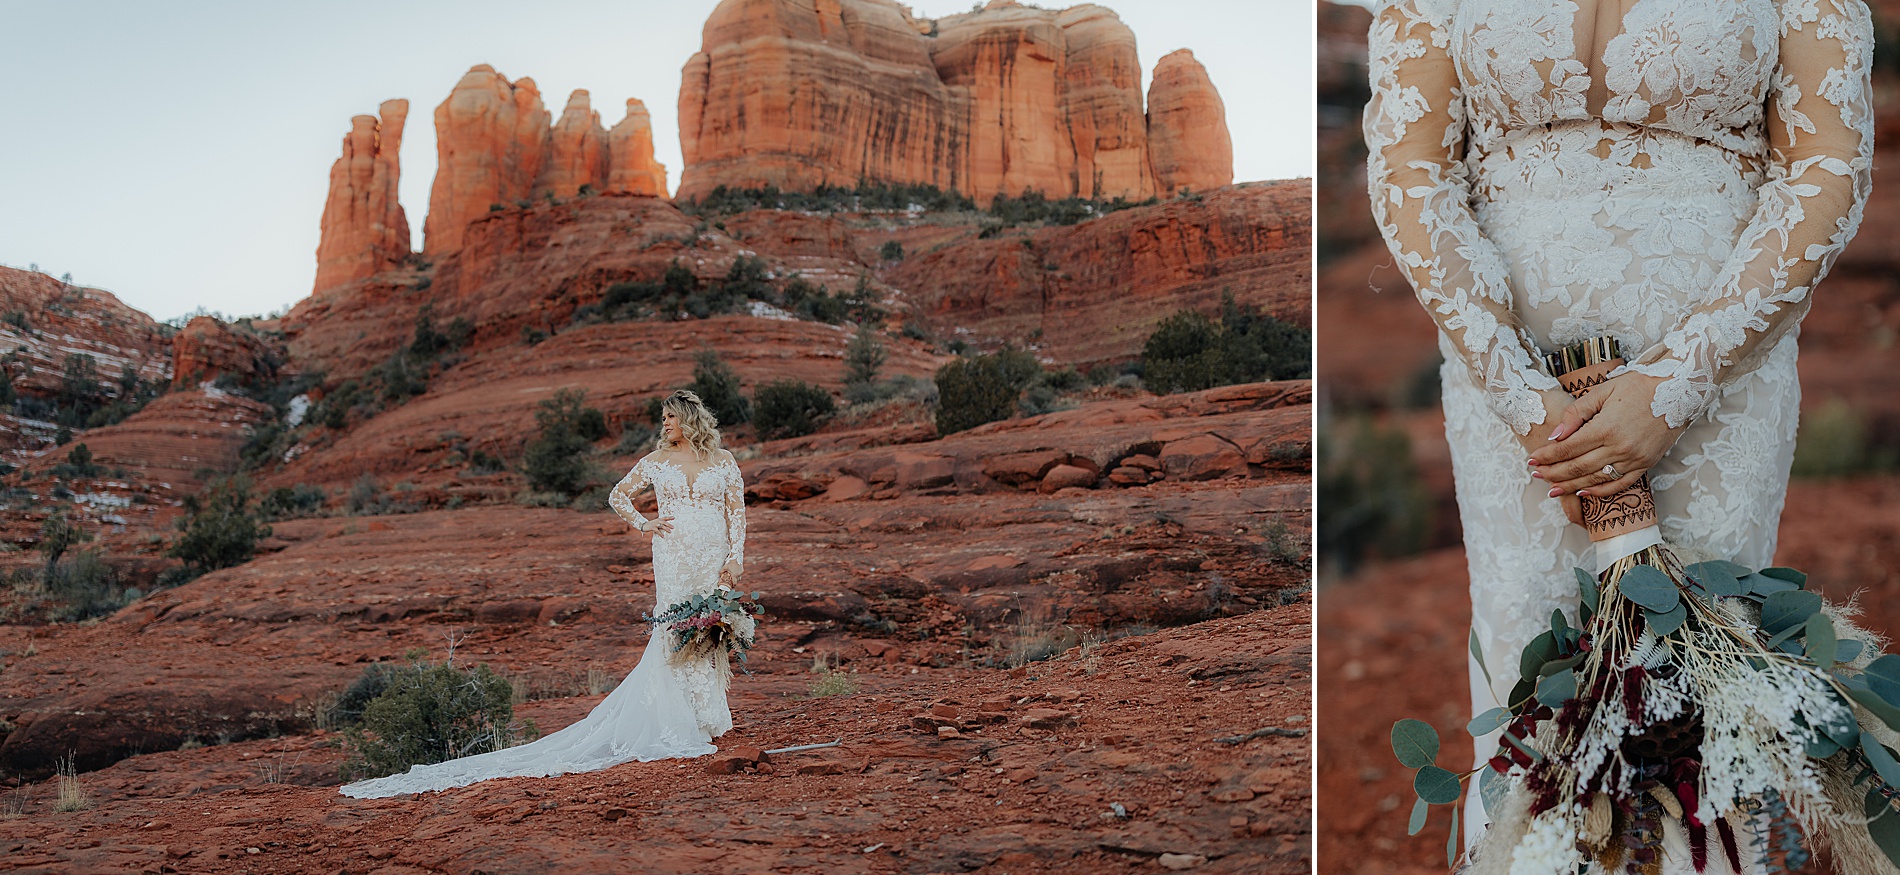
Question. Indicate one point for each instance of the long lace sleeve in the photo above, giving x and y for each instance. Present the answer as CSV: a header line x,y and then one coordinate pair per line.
x,y
1415,134
1820,130
735,516
620,498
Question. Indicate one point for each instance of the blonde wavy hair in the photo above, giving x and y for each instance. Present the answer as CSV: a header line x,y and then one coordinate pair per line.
x,y
697,424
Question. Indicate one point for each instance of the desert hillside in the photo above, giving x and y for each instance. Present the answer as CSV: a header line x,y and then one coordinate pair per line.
x,y
1057,622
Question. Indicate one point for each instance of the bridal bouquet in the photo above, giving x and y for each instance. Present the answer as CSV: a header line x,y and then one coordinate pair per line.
x,y
1686,701
707,625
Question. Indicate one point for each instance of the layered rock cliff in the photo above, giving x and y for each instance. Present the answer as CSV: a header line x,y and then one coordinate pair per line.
x,y
798,93
364,229
206,349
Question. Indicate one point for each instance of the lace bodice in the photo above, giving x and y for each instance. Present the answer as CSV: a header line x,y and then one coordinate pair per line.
x,y
1482,101
715,489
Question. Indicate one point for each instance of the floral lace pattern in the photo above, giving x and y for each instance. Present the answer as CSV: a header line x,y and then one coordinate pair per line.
x,y
665,707
1680,182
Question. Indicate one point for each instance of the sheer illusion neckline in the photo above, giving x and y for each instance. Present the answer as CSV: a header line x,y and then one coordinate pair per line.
x,y
692,480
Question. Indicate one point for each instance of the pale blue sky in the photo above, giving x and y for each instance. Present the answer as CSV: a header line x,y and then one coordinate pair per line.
x,y
177,154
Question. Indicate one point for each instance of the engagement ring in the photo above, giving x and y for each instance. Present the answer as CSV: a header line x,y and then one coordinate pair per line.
x,y
1611,470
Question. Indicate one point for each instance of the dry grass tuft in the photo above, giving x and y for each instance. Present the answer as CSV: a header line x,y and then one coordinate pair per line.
x,y
72,796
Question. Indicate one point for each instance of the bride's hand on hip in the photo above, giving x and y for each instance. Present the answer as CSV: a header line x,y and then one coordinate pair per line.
x,y
729,574
660,528
1606,440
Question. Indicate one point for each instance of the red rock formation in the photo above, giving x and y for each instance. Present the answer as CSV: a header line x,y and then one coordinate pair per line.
x,y
1101,95
800,92
1187,128
632,168
491,142
364,229
577,153
206,349
44,322
796,93
1093,291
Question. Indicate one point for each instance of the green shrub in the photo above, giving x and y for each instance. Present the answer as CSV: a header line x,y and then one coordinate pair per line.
x,y
1189,352
790,408
1834,441
863,357
347,709
219,528
78,464
428,713
984,388
286,502
718,387
1376,503
558,460
485,463
637,437
891,251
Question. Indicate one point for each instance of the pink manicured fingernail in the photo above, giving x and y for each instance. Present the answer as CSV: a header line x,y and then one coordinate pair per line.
x,y
1582,494
1556,492
1539,475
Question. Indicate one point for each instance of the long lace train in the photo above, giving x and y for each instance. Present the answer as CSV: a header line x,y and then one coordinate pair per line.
x,y
647,717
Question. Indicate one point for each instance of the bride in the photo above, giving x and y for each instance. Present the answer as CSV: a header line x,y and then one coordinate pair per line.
x,y
1676,174
668,706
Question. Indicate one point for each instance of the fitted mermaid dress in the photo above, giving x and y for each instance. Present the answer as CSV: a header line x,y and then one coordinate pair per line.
x,y
667,706
1677,174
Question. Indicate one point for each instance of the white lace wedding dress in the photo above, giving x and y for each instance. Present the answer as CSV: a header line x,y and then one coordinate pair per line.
x,y
1676,173
665,707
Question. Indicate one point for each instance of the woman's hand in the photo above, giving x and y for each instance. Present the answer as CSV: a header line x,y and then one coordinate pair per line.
x,y
660,527
1611,425
1556,402
729,574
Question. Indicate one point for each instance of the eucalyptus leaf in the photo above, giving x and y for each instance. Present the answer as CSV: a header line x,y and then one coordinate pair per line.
x,y
1556,665
1451,844
1488,722
1763,586
1788,608
1875,804
1521,692
1881,759
1885,831
1542,649
1437,786
1558,688
1587,588
1650,588
1415,742
1843,729
1477,653
1847,650
1668,622
1493,786
1872,701
1788,574
1419,809
1821,640
1557,625
1718,578
1883,677
1821,748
